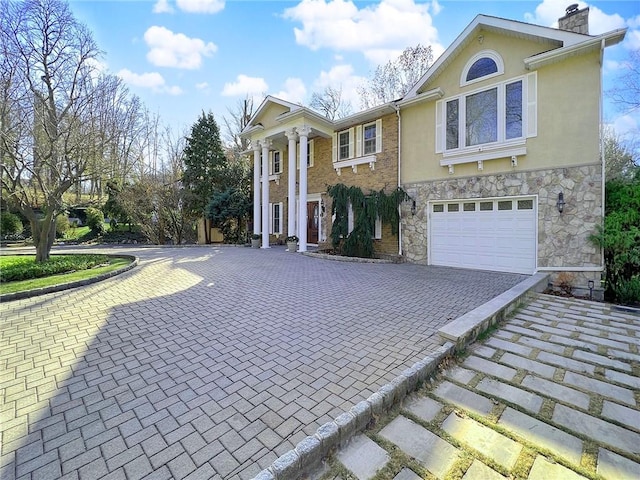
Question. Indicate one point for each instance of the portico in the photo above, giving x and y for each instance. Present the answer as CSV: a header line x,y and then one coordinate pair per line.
x,y
276,128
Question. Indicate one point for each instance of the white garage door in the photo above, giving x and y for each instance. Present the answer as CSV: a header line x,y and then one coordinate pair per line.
x,y
486,234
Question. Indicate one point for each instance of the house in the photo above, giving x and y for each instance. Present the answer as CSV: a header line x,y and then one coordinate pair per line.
x,y
498,146
501,149
360,151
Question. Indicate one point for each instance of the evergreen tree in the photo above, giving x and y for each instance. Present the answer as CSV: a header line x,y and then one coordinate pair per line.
x,y
205,165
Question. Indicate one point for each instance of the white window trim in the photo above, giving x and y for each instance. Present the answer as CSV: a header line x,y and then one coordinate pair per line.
x,y
493,55
310,154
356,156
488,151
272,206
272,163
377,229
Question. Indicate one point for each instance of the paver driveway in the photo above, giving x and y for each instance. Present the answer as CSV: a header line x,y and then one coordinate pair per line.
x,y
210,362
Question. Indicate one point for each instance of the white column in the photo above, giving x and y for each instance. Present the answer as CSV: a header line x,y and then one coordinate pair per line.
x,y
302,209
265,193
291,209
256,189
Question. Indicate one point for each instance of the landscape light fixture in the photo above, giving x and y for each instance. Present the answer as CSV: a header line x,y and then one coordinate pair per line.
x,y
413,207
560,203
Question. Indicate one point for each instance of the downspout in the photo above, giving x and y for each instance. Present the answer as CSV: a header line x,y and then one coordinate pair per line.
x,y
395,105
602,158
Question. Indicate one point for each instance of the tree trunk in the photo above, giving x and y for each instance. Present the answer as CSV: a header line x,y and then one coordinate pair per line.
x,y
207,231
44,233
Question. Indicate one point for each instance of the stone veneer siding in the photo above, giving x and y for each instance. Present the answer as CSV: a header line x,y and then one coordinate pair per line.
x,y
562,238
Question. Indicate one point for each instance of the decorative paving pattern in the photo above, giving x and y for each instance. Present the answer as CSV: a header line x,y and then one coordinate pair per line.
x,y
210,362
582,420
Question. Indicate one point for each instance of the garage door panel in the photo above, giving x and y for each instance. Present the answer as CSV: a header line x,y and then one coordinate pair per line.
x,y
499,239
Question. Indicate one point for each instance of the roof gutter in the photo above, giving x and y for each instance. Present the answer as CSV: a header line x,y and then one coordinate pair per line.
x,y
606,39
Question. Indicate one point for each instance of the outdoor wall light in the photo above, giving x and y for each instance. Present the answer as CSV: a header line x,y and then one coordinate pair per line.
x,y
413,207
590,283
560,203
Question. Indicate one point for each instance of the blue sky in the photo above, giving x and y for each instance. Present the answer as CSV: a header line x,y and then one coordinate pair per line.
x,y
185,56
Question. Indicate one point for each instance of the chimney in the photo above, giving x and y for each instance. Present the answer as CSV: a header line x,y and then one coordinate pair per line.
x,y
575,20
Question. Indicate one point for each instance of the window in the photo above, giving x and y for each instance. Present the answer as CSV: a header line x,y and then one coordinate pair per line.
x,y
481,66
309,155
276,162
369,137
438,208
499,114
344,144
358,142
276,218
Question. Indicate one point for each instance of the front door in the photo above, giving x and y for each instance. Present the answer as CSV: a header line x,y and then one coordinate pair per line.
x,y
313,220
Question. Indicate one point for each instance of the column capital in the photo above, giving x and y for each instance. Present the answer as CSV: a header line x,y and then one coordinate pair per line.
x,y
291,134
304,130
265,143
255,146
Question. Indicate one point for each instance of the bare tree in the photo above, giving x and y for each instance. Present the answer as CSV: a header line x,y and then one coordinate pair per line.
x,y
395,78
330,103
627,92
238,117
50,92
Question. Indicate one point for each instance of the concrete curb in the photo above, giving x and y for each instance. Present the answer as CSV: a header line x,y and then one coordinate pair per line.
x,y
465,329
339,258
8,297
308,454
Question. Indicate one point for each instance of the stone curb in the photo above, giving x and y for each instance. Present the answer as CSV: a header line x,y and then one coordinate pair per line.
x,y
8,297
465,329
457,334
309,452
339,258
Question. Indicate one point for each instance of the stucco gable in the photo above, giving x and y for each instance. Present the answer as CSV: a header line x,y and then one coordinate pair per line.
x,y
550,40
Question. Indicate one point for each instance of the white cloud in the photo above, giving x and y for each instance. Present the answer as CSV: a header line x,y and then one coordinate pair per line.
x,y
632,40
374,29
200,6
202,86
152,80
294,91
245,85
548,12
341,76
626,125
168,49
162,6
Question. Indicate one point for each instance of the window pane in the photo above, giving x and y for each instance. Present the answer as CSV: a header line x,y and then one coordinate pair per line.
x,y
525,204
438,208
276,162
514,110
505,205
453,207
480,68
309,146
344,145
452,124
482,117
370,139
485,206
469,207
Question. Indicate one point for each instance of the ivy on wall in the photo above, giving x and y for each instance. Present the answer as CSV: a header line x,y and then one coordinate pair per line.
x,y
366,209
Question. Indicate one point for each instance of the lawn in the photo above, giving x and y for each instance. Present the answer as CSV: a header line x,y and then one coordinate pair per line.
x,y
19,273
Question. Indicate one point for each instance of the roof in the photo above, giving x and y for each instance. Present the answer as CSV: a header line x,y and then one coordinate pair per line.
x,y
560,42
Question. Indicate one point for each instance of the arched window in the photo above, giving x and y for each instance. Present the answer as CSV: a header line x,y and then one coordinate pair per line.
x,y
482,65
481,68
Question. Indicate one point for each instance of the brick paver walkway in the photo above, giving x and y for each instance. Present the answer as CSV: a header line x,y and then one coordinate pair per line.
x,y
210,362
553,394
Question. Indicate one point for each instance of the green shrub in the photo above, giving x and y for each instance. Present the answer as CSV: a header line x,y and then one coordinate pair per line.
x,y
62,225
10,224
95,220
25,267
627,292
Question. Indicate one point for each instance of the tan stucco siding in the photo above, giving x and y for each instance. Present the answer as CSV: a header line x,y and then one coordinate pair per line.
x,y
567,114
